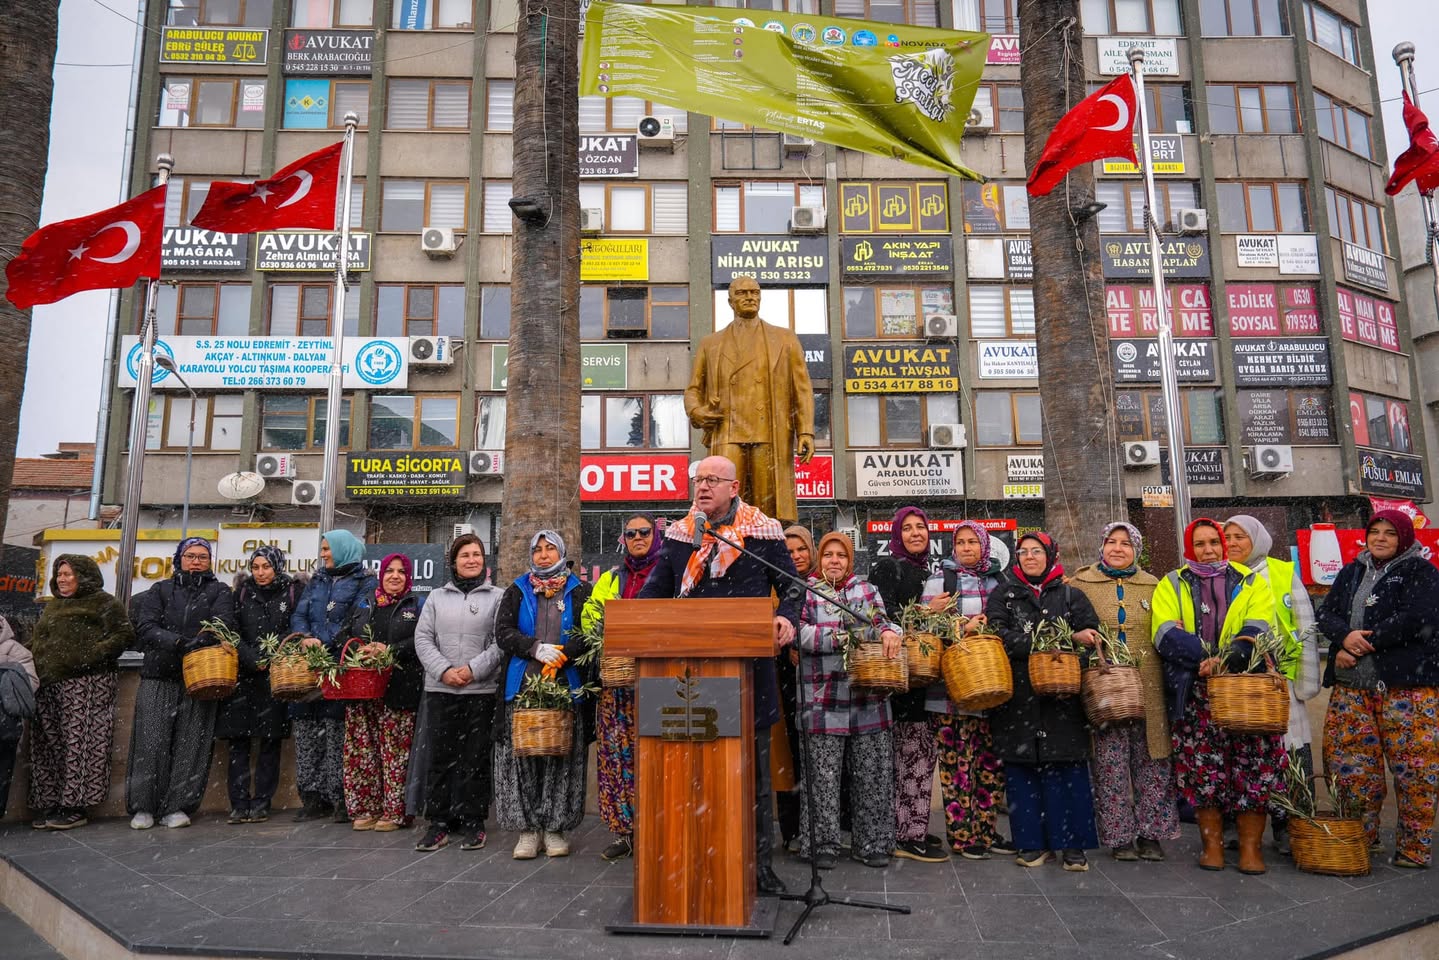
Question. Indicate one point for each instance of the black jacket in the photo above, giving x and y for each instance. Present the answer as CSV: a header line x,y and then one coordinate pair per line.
x,y
167,618
1030,729
1404,617
900,584
394,626
250,711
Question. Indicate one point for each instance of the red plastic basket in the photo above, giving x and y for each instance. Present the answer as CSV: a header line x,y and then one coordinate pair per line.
x,y
357,684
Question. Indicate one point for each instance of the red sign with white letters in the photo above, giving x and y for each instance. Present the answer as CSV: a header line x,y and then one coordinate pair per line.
x,y
1132,314
814,480
623,478
1367,320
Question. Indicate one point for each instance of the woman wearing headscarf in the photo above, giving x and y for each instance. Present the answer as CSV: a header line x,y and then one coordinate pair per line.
x,y
800,543
264,602
542,797
1133,782
336,606
1249,543
971,775
173,735
615,709
1381,618
1043,741
81,633
844,728
378,733
900,578
1205,604
18,683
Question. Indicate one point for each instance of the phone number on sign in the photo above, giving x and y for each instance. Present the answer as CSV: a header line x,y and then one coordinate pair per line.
x,y
932,385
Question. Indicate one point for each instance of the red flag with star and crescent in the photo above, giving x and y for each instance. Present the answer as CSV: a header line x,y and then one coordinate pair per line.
x,y
112,248
300,195
1101,125
1420,162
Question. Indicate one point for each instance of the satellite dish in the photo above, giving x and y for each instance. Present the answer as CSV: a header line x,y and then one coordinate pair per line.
x,y
240,486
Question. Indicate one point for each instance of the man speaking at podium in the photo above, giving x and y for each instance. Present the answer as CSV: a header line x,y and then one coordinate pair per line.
x,y
695,563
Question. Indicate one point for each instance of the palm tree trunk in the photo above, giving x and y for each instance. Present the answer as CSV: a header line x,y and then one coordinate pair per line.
x,y
28,34
1083,485
542,422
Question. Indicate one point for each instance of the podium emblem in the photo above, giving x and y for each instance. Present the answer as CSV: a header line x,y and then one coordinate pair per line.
x,y
688,708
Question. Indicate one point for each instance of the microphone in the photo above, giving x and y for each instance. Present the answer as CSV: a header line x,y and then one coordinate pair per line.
x,y
701,525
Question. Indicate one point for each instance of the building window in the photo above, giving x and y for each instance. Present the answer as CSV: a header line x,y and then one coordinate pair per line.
x,y
996,311
897,419
762,206
212,102
490,422
804,311
495,311
1139,415
892,311
619,312
995,207
1169,107
919,13
1006,419
640,208
290,422
622,114
1380,422
1124,212
304,309
414,205
1131,16
414,422
1249,207
1355,220
1327,29
419,310
999,16
1002,104
1243,18
322,104
428,105
317,14
217,422
783,6
202,309
433,15
640,421
220,13
1251,108
1341,125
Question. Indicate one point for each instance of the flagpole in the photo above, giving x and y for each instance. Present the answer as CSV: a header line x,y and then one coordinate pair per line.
x,y
329,483
139,417
1168,379
1404,60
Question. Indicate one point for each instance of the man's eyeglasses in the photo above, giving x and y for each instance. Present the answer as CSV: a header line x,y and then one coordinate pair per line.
x,y
712,481
639,532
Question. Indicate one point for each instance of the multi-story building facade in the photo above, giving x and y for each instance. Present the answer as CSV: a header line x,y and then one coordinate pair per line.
x,y
1279,238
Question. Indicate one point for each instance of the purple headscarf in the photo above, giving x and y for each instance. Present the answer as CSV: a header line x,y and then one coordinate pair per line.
x,y
983,566
896,542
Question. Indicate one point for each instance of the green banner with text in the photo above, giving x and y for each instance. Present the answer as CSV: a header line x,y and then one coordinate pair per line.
x,y
887,89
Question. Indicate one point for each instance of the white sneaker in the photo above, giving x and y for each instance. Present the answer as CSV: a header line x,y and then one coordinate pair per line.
x,y
528,846
175,820
556,845
141,821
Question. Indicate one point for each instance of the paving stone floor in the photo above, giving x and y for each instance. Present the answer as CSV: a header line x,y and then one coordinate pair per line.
x,y
323,891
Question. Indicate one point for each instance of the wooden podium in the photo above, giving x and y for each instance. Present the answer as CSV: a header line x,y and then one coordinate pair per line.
x,y
694,816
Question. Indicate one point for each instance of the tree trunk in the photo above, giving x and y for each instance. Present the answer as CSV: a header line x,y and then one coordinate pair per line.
x,y
542,422
1083,484
28,33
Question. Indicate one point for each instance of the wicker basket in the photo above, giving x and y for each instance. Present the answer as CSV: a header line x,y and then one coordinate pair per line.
x,y
292,679
211,672
1112,694
1054,673
1249,703
924,667
870,669
618,671
357,683
1330,845
542,733
977,673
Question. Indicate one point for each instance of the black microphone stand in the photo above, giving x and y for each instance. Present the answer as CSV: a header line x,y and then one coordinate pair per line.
x,y
816,896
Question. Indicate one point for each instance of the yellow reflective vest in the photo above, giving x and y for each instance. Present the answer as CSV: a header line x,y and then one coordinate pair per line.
x,y
1251,609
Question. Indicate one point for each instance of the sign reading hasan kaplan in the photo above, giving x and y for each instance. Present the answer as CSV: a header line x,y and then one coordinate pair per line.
x,y
770,260
404,475
932,368
1126,256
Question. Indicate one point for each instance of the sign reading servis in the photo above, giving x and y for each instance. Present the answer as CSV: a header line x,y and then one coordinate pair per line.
x,y
270,363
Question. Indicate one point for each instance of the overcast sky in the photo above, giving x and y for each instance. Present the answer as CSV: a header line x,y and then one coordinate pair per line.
x,y
87,139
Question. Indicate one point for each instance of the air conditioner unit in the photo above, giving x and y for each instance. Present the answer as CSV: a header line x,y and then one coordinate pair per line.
x,y
275,465
1191,221
439,242
487,463
1271,460
853,534
794,143
592,220
806,220
656,132
947,436
463,530
1141,453
431,352
980,121
941,326
306,493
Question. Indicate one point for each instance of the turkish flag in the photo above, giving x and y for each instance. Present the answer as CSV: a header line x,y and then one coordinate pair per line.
x,y
1102,125
300,195
1420,162
112,248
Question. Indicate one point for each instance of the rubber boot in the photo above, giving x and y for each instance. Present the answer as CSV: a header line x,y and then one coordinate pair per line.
x,y
1251,835
1211,834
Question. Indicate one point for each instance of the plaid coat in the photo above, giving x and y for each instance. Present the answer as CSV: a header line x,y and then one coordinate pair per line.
x,y
826,703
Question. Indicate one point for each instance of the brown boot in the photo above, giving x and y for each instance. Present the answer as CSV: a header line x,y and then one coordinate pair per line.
x,y
1211,833
1251,834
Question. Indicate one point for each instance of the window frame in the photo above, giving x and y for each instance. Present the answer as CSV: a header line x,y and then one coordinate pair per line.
x,y
864,10
1214,91
235,83
967,193
1153,431
1280,10
406,318
794,310
1334,197
417,418
880,417
463,26
1339,115
1111,20
425,221
175,411
742,185
1009,290
599,400
878,290
316,412
1247,186
611,187
180,287
1014,431
1348,34
202,21
1133,199
433,83
351,323
332,121
606,290
334,19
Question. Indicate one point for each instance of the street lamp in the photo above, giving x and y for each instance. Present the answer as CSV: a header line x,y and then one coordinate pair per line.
x,y
165,363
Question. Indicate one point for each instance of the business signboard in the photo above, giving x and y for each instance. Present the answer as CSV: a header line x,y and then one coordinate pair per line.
x,y
271,363
1293,362
1137,361
603,366
814,480
409,474
211,45
186,248
610,155
631,477
309,252
1391,475
609,259
772,260
1362,265
331,53
897,256
1001,359
913,473
1126,256
918,368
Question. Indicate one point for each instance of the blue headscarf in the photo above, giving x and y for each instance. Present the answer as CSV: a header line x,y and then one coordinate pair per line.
x,y
345,547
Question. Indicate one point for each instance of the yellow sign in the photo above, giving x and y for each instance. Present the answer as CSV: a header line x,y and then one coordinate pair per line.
x,y
1157,496
900,206
1166,152
870,368
603,258
213,45
1024,491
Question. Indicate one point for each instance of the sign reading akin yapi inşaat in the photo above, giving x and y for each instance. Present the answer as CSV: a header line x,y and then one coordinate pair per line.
x,y
897,256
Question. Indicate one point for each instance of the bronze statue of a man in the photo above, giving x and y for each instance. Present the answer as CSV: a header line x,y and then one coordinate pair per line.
x,y
750,394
